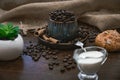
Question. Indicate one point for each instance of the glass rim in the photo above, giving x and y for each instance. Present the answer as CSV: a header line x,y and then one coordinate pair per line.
x,y
102,49
92,47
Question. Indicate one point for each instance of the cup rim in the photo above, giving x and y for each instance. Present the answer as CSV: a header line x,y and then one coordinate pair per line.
x,y
62,22
93,47
105,51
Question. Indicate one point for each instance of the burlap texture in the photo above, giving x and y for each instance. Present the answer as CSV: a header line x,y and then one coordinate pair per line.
x,y
34,13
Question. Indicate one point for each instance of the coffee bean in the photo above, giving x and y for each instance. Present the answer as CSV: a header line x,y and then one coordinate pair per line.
x,y
31,45
64,60
37,51
84,35
54,53
85,30
28,47
30,51
69,62
69,56
62,69
73,66
66,57
30,42
54,62
66,64
68,67
35,58
48,48
54,57
25,51
50,64
70,59
43,54
92,37
57,63
91,40
74,62
47,57
49,52
44,47
51,67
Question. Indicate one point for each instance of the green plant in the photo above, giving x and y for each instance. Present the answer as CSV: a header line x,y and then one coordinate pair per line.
x,y
8,31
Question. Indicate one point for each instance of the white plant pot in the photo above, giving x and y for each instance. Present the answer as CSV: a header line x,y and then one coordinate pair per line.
x,y
11,49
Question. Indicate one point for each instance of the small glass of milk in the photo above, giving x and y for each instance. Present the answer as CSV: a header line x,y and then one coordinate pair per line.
x,y
89,60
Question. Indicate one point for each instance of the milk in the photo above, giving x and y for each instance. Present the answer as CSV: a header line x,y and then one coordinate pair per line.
x,y
90,62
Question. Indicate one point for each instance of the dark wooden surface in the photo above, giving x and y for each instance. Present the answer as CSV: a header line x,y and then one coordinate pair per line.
x,y
24,68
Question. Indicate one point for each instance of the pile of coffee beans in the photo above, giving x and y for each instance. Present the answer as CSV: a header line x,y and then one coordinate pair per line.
x,y
65,64
68,63
52,56
38,50
33,50
62,16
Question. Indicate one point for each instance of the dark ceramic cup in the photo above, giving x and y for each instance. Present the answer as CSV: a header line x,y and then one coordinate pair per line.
x,y
63,31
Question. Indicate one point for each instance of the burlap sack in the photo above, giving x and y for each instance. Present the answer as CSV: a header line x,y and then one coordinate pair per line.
x,y
34,13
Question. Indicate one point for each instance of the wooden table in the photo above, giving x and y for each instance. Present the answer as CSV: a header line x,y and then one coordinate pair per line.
x,y
24,68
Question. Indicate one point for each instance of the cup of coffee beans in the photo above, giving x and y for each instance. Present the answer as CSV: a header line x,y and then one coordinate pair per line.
x,y
62,25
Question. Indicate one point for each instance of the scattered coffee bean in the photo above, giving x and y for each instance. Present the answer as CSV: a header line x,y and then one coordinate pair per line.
x,y
54,57
31,45
74,62
66,64
25,51
44,54
50,64
73,66
28,47
68,67
42,50
30,51
37,51
62,69
65,60
54,62
70,62
69,56
48,49
54,53
70,59
50,52
51,67
91,40
30,42
57,63
35,58
44,47
47,57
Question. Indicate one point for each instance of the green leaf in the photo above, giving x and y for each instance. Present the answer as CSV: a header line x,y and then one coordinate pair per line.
x,y
8,31
2,33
